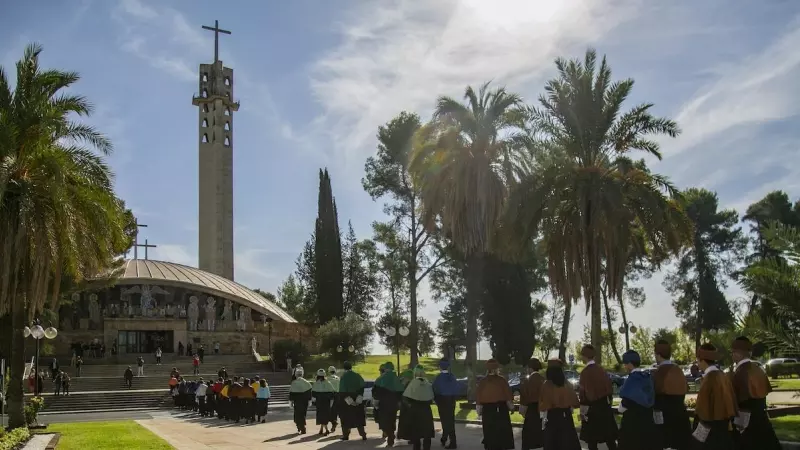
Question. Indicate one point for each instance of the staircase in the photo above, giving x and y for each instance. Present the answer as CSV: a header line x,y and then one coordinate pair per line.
x,y
101,387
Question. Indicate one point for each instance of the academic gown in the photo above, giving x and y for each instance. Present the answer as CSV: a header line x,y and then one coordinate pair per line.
x,y
752,386
334,380
494,396
446,390
388,391
300,395
351,386
638,430
714,411
556,404
595,395
670,386
419,396
532,433
403,422
323,394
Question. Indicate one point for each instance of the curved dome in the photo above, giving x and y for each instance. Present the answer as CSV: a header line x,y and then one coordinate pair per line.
x,y
140,271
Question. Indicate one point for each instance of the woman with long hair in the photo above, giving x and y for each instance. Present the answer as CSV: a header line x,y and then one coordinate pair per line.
x,y
556,403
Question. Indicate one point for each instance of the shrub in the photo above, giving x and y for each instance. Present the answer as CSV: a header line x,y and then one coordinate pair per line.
x,y
351,331
14,439
690,403
32,408
783,370
281,348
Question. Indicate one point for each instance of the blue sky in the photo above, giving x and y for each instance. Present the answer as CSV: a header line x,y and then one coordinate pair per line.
x,y
316,79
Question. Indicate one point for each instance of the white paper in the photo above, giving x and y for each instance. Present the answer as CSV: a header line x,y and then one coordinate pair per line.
x,y
544,424
701,433
742,420
658,417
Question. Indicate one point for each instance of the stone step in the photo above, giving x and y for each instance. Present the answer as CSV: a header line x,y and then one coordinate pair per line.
x,y
112,370
84,384
149,358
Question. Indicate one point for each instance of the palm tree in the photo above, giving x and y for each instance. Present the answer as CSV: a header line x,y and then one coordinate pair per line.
x,y
59,218
585,196
464,162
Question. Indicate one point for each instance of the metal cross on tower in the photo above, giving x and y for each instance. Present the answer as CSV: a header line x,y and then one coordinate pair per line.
x,y
136,238
217,30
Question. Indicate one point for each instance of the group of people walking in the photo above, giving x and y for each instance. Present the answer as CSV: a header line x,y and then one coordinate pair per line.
x,y
232,399
401,404
730,412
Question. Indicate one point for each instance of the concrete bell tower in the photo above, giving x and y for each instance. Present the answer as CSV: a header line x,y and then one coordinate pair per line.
x,y
215,149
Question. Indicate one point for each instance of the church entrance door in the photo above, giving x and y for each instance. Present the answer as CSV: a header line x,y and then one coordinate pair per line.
x,y
135,341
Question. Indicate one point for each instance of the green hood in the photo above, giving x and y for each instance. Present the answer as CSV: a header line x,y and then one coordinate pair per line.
x,y
390,381
299,385
419,389
351,383
323,386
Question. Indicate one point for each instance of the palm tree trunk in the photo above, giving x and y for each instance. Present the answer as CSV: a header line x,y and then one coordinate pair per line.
x,y
610,326
562,342
475,264
15,396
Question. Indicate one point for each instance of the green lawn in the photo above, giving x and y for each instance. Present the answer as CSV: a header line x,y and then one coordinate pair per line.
x,y
97,435
786,384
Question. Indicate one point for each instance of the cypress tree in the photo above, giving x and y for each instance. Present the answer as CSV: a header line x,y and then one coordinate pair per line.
x,y
328,252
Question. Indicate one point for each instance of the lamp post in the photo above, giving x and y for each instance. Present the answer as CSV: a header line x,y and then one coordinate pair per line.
x,y
268,321
626,329
396,332
38,333
348,349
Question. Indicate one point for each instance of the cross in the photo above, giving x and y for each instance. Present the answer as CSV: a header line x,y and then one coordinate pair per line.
x,y
217,30
146,246
136,238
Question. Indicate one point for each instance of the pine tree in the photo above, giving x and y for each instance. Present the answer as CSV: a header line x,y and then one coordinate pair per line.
x,y
328,254
360,280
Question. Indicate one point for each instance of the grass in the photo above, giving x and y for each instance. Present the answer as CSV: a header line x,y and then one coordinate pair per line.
x,y
369,367
97,435
786,384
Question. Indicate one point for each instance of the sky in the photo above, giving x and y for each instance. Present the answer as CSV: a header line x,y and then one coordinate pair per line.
x,y
316,78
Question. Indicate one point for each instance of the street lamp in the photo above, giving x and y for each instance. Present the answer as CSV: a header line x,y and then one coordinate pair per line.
x,y
626,329
38,333
268,322
396,332
349,349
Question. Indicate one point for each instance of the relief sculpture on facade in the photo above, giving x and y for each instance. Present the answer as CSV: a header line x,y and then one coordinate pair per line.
x,y
193,313
211,313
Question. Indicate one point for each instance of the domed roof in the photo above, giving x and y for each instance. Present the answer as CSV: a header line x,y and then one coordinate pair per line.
x,y
140,271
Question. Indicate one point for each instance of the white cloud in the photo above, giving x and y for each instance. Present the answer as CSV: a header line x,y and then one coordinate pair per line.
x,y
403,55
172,253
138,9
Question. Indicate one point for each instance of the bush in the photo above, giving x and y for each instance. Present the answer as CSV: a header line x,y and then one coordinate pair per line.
x,y
783,370
281,348
14,439
352,331
32,408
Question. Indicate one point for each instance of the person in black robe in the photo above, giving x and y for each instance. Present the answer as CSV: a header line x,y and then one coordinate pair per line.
x,y
532,430
351,402
376,406
419,396
446,391
751,385
557,399
323,394
300,395
669,411
387,394
403,422
638,430
495,403
595,392
716,404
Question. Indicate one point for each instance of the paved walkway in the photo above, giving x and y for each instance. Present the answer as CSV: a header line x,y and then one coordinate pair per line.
x,y
188,431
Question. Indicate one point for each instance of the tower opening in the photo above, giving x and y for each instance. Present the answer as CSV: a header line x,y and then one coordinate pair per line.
x,y
205,138
227,126
205,123
227,142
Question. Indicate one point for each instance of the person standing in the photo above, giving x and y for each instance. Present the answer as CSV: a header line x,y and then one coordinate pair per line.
x,y
751,385
557,399
638,429
716,404
196,364
289,367
334,380
216,348
387,394
323,394
158,356
403,420
54,368
669,411
128,377
57,383
419,396
223,373
200,396
180,348
189,349
495,403
532,432
351,402
140,364
201,352
300,395
262,400
445,393
376,405
78,366
65,382
595,393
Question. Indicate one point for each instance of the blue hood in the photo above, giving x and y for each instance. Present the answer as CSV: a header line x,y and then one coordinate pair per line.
x,y
638,388
446,384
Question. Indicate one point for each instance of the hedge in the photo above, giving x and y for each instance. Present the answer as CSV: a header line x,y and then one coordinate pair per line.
x,y
783,370
14,439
